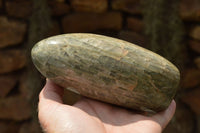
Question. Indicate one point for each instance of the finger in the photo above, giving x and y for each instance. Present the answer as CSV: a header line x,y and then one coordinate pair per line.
x,y
51,92
163,118
50,99
55,117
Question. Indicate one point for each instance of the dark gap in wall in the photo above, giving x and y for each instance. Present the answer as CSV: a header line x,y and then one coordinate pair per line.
x,y
188,25
60,26
68,2
109,5
14,91
106,32
191,54
124,15
16,46
59,22
190,22
194,119
138,16
3,9
13,18
25,42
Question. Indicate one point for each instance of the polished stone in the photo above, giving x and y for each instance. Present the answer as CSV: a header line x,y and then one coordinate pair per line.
x,y
108,69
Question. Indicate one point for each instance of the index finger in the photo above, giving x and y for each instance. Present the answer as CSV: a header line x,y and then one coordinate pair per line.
x,y
163,118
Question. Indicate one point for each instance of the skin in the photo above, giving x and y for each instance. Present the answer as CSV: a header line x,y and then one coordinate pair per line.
x,y
90,116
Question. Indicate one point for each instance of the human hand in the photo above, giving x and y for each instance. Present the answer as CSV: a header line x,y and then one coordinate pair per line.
x,y
90,116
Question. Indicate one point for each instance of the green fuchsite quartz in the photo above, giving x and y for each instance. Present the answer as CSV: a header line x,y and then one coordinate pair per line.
x,y
108,69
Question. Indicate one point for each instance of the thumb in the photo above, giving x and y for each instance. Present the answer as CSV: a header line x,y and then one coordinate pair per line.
x,y
163,118
51,93
50,99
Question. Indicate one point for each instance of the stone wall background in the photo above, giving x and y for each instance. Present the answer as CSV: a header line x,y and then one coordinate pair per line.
x,y
117,18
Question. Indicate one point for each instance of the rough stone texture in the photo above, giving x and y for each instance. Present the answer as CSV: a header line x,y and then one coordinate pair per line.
x,y
20,9
11,32
9,127
190,10
195,32
192,98
195,45
7,83
15,108
135,24
97,6
133,37
58,8
130,6
125,74
191,78
88,22
182,122
197,62
11,60
30,127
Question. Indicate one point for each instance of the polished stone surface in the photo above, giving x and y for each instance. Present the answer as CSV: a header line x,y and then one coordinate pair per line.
x,y
108,69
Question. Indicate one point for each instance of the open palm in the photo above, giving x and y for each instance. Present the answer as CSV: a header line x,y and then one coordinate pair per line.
x,y
90,116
